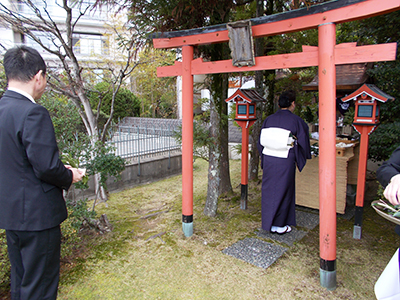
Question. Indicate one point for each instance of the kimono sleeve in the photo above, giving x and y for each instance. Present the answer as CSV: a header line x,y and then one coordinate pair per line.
x,y
302,148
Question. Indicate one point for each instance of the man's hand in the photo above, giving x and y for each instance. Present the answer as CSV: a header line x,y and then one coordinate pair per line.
x,y
77,174
392,190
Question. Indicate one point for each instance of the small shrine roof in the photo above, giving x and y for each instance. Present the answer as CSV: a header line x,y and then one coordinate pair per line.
x,y
348,77
372,90
248,95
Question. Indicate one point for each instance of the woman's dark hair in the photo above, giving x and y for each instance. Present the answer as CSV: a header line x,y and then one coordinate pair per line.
x,y
22,63
286,99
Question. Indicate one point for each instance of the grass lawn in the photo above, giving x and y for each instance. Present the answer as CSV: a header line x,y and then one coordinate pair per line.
x,y
146,256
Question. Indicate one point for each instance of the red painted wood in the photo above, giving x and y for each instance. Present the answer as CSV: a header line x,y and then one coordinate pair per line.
x,y
280,61
344,54
325,56
365,88
348,13
187,132
245,125
174,70
369,53
327,141
353,12
364,131
199,39
245,153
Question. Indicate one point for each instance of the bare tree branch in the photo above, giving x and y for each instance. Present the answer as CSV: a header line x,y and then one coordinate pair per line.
x,y
59,43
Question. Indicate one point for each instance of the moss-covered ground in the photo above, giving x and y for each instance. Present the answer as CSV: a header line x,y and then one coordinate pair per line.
x,y
146,256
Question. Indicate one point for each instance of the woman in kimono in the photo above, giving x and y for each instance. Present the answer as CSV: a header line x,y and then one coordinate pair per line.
x,y
284,143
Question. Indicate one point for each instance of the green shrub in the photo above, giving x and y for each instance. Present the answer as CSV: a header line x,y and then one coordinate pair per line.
x,y
126,103
383,141
5,268
77,212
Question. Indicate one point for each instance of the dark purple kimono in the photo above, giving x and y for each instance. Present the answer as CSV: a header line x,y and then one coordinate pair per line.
x,y
278,183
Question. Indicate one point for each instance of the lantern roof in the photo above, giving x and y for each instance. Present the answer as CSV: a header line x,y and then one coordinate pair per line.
x,y
371,90
247,95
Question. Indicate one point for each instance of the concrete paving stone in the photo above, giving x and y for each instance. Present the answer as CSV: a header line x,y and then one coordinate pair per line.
x,y
307,219
256,252
348,213
263,254
287,238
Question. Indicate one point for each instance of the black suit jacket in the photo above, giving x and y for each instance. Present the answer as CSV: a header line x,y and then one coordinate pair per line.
x,y
31,174
389,168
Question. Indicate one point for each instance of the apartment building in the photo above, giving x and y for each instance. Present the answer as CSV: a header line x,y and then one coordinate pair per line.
x,y
91,30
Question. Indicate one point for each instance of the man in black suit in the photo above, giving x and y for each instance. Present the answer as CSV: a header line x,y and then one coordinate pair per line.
x,y
32,179
388,175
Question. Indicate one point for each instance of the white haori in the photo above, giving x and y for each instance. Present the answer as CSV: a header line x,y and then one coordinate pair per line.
x,y
276,142
387,286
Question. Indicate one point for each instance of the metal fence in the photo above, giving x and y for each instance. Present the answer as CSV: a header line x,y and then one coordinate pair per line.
x,y
138,138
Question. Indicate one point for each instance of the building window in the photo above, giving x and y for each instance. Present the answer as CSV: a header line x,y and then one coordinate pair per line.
x,y
90,44
45,39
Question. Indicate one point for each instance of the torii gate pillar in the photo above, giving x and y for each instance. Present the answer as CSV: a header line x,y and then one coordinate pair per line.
x,y
327,154
187,141
328,54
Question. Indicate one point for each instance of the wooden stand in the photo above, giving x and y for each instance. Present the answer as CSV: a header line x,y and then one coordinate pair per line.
x,y
307,181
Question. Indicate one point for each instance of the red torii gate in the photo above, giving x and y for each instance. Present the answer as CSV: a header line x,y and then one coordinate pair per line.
x,y
326,56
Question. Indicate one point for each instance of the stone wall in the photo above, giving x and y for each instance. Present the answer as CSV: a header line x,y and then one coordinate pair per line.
x,y
135,174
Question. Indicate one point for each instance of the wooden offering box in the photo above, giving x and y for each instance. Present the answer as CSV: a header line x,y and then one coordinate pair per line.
x,y
307,181
343,145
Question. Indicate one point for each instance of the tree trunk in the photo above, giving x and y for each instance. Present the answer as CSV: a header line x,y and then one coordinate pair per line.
x,y
214,170
255,134
218,166
100,192
255,130
225,184
91,128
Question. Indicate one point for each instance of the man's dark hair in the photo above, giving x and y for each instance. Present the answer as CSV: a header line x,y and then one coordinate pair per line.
x,y
22,63
286,99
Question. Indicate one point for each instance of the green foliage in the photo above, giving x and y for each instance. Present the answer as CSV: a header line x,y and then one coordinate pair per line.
x,y
293,42
308,115
377,30
3,80
78,212
306,106
244,12
157,95
383,141
201,139
385,76
126,103
74,162
97,160
201,133
163,15
68,126
106,164
5,267
349,116
238,148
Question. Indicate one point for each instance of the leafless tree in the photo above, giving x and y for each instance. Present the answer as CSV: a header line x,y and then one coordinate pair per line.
x,y
66,72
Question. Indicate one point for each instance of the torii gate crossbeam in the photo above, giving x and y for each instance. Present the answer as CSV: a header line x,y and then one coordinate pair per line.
x,y
327,55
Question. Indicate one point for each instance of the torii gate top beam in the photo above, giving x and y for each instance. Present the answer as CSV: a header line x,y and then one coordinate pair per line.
x,y
338,11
